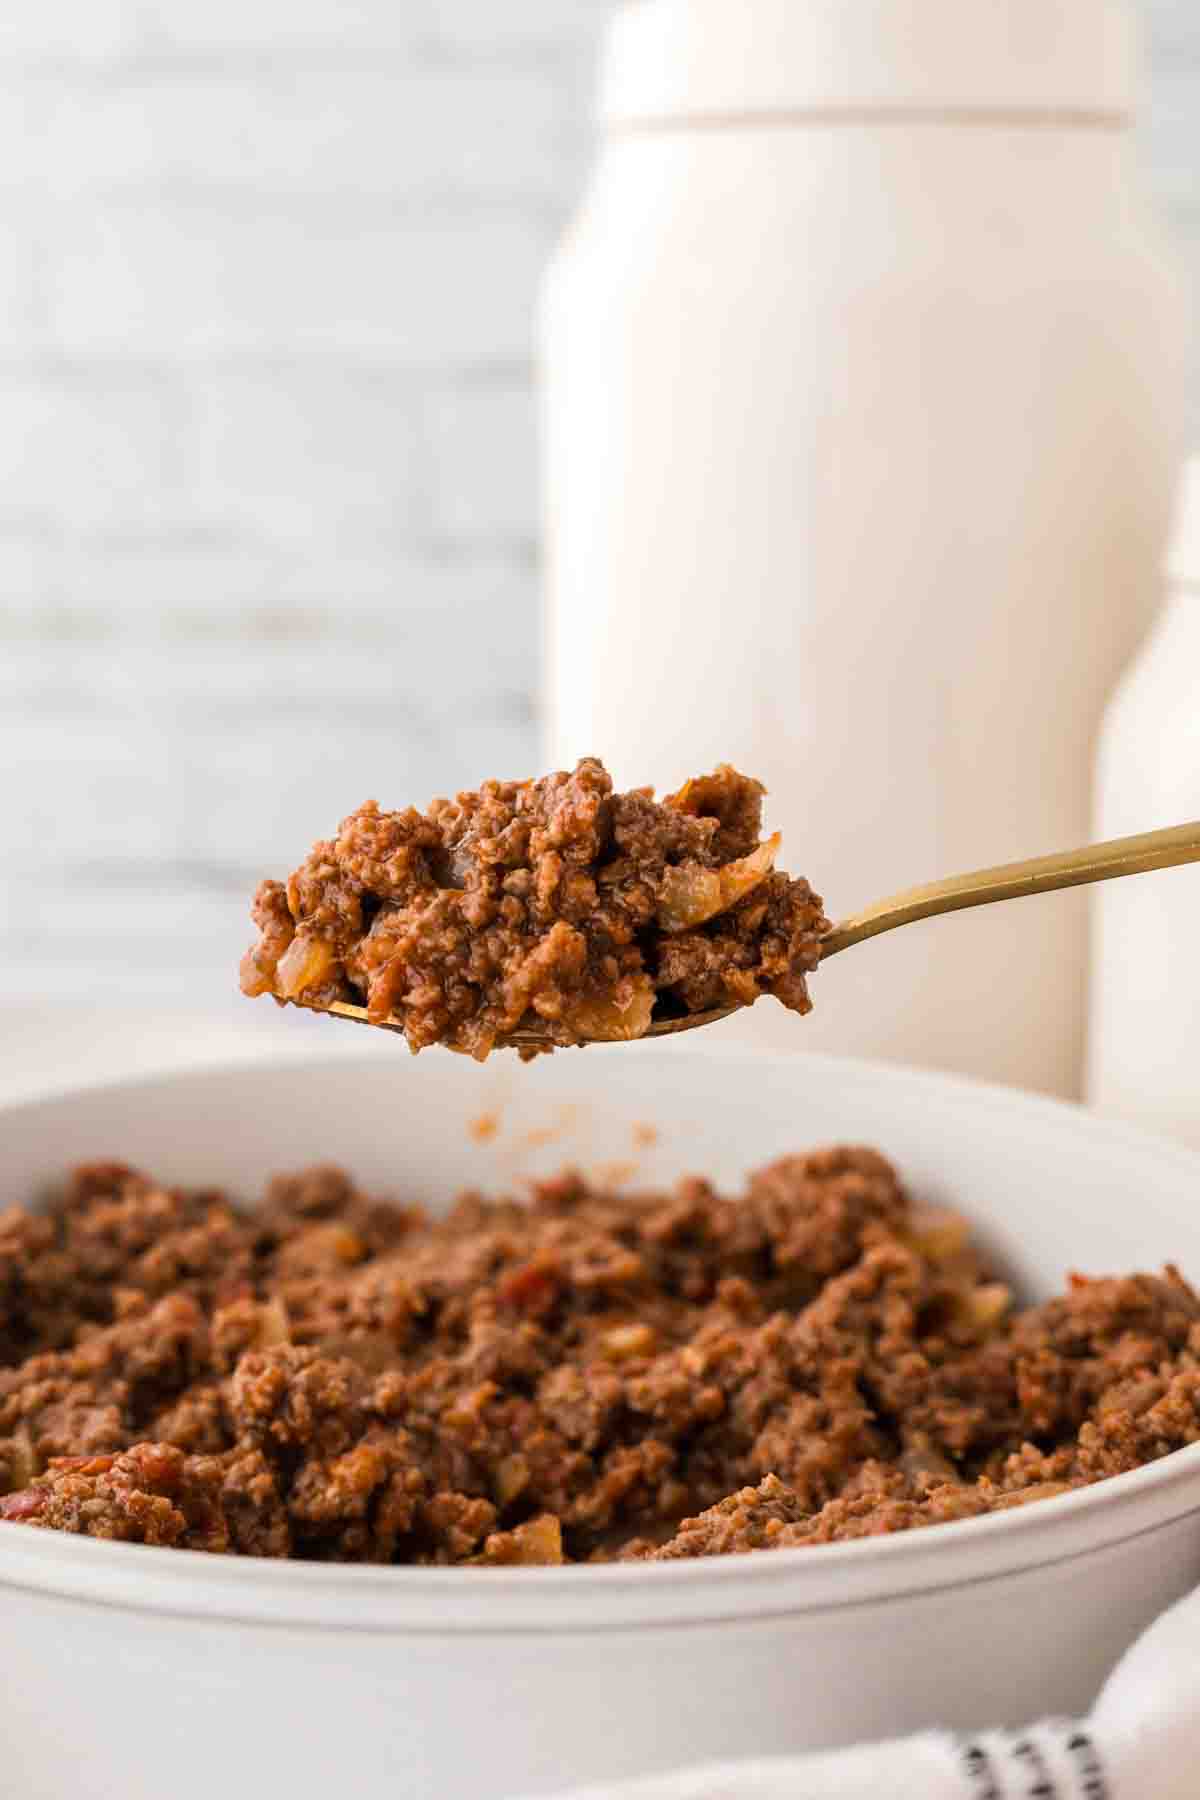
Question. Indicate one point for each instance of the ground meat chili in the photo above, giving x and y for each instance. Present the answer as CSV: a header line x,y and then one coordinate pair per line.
x,y
554,903
582,1375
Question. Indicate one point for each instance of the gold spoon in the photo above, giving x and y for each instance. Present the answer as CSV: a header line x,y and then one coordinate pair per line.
x,y
1165,849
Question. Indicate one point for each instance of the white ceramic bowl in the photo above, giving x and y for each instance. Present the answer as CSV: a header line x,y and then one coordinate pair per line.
x,y
140,1672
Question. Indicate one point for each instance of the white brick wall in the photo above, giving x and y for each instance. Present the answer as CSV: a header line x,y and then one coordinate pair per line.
x,y
213,275
69,28
482,444
275,27
408,134
267,497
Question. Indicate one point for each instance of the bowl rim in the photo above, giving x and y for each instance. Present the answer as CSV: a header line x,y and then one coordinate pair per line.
x,y
600,1597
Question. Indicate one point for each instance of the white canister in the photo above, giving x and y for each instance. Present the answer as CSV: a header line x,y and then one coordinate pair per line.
x,y
1144,1043
862,374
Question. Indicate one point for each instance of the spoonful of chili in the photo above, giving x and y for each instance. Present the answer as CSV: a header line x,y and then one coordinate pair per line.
x,y
541,914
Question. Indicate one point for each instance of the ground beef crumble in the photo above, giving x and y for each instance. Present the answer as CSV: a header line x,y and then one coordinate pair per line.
x,y
582,1375
556,904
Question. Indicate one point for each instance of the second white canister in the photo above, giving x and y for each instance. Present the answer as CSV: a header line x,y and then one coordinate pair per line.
x,y
862,371
1144,1045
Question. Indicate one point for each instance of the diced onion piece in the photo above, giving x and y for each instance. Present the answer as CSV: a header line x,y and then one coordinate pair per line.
x,y
274,1326
538,1541
254,979
922,1460
469,1408
624,1341
22,1459
942,1237
1041,1490
983,1307
512,1478
327,1245
613,1021
690,894
306,963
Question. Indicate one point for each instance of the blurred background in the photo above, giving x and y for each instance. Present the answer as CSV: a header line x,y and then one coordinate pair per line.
x,y
268,496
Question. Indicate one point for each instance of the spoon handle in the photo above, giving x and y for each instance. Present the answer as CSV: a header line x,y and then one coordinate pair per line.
x,y
1164,849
